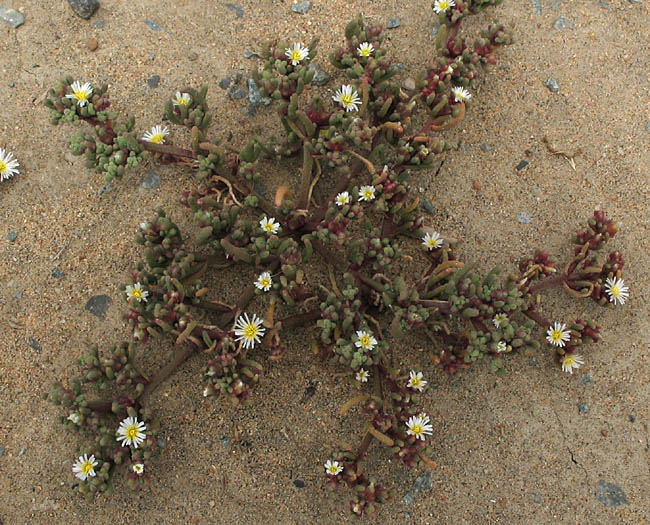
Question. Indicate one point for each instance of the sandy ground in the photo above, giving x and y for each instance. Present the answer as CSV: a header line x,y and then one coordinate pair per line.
x,y
511,449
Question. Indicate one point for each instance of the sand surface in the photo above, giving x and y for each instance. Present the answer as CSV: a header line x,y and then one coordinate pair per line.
x,y
510,449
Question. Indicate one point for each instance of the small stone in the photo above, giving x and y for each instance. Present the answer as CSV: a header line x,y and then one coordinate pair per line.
x,y
308,393
11,16
486,148
92,44
536,498
435,29
604,432
152,25
301,7
106,188
98,305
409,84
151,181
225,441
12,236
153,81
2,450
320,75
239,10
254,96
84,8
524,218
552,85
521,165
224,83
250,54
562,24
632,418
162,443
35,345
476,185
423,482
11,84
98,24
408,498
610,495
393,23
532,362
19,294
587,379
647,126
428,207
236,92
260,187
299,483
583,408
57,274
192,56
537,7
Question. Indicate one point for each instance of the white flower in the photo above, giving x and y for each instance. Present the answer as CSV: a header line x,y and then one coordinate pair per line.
x,y
269,225
131,432
367,193
440,6
557,334
264,282
365,340
206,392
84,467
249,330
182,99
342,199
415,381
499,319
332,468
571,361
297,53
156,135
348,97
362,375
418,426
432,240
138,468
615,288
74,417
80,93
136,292
8,165
365,49
502,346
461,94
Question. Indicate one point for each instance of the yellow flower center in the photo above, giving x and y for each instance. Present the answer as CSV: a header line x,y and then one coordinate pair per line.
x,y
332,469
86,467
367,194
443,5
3,167
614,290
365,51
417,429
158,138
250,331
81,95
268,227
296,55
136,293
556,335
347,100
265,282
569,361
131,432
183,101
415,382
365,340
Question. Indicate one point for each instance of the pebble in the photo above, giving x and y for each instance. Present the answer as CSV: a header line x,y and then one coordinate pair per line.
x,y
224,83
260,187
647,126
57,273
524,218
562,23
632,418
151,181
250,54
299,483
11,16
98,24
12,84
35,345
152,25
537,6
583,408
436,28
21,451
162,442
393,23
153,81
2,450
92,44
225,441
239,10
308,393
254,96
84,8
521,165
610,495
486,148
536,498
12,236
428,207
320,75
301,7
236,92
192,56
98,305
106,188
587,379
552,85
409,84
421,484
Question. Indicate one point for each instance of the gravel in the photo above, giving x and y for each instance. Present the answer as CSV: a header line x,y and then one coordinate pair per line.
x,y
238,9
151,181
562,24
521,165
153,81
524,218
610,495
33,343
537,7
98,305
152,25
11,16
583,408
57,273
393,23
301,7
84,8
12,236
320,75
552,85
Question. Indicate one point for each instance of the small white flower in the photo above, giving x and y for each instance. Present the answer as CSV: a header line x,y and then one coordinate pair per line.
x,y
342,199
499,319
415,381
461,94
84,467
144,225
432,241
441,6
206,392
138,468
249,330
502,346
365,49
348,97
297,53
367,193
362,375
131,432
424,150
136,292
571,361
156,135
365,340
264,282
182,99
418,426
269,225
8,165
80,93
74,417
616,290
332,468
557,334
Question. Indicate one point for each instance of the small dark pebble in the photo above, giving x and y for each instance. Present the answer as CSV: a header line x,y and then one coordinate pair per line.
x,y
98,24
301,7
92,44
423,482
583,408
106,188
162,443
98,305
12,236
536,498
2,450
153,81
610,495
393,23
254,96
84,8
647,126
562,23
552,85
486,148
532,362
57,274
225,441
251,54
428,207
587,379
19,294
12,84
152,25
164,117
299,483
151,181
308,393
237,93
192,56
320,75
435,29
35,345
224,83
239,10
524,218
632,418
521,165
